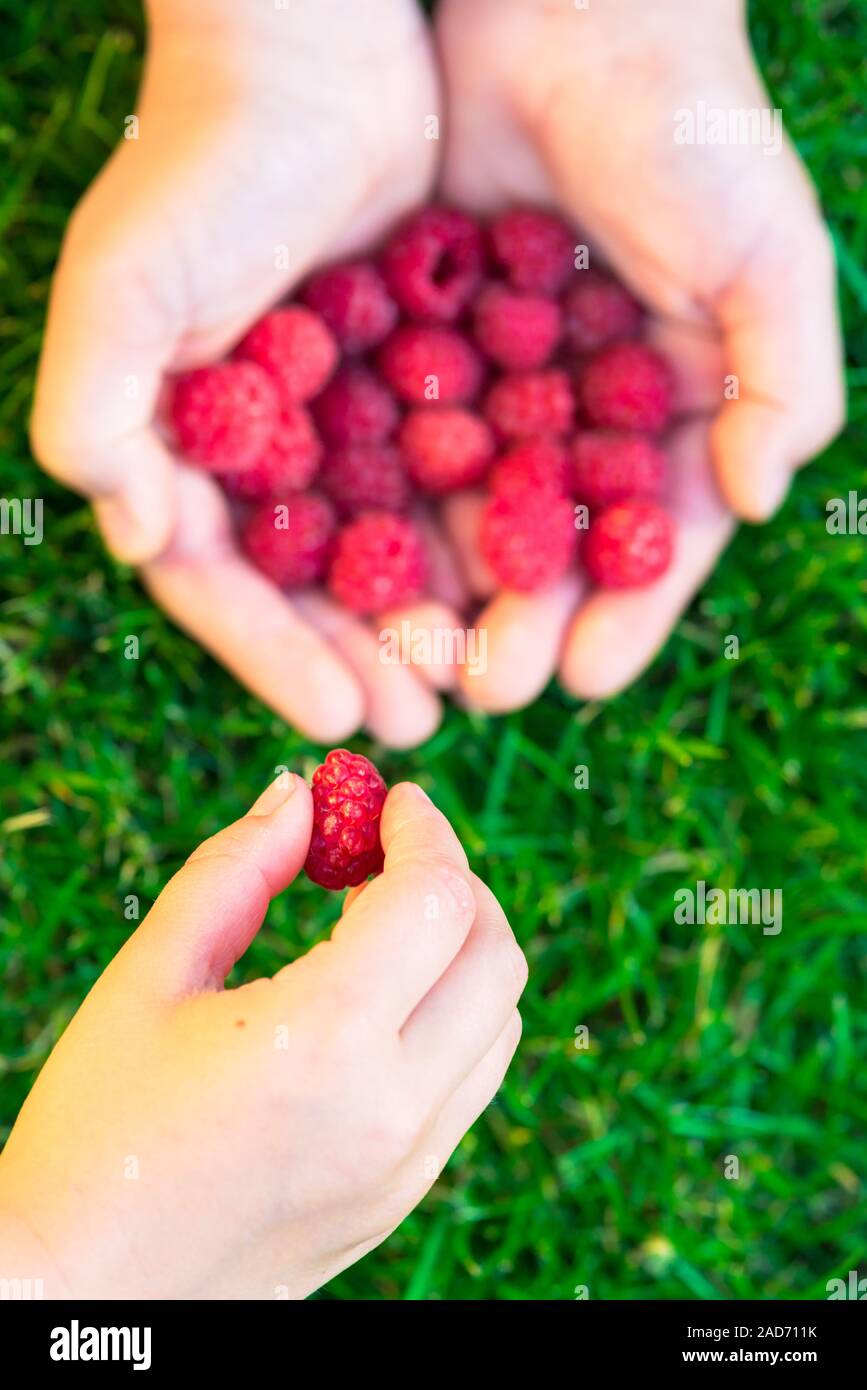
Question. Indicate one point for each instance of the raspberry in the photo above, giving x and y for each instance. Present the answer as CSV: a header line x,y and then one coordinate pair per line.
x,y
611,467
288,464
292,542
425,364
354,302
433,264
359,477
355,408
348,796
627,386
536,249
629,544
536,464
528,538
445,447
597,310
224,415
379,562
528,403
296,347
518,331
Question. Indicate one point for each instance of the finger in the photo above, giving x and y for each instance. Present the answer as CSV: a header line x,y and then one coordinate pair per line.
x,y
465,1105
520,637
401,710
205,583
399,936
460,1019
694,352
445,580
461,514
616,634
207,915
783,347
426,636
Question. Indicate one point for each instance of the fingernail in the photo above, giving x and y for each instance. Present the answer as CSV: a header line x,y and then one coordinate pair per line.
x,y
275,796
419,793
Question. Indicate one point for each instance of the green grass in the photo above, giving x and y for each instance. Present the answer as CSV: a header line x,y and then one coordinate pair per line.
x,y
599,1167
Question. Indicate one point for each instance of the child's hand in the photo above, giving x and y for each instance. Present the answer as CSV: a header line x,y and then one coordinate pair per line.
x,y
550,102
184,1140
269,139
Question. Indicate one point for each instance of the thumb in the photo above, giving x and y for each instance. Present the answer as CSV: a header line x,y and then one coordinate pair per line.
x,y
207,915
108,340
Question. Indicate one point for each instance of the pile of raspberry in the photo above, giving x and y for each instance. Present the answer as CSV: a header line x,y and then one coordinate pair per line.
x,y
462,355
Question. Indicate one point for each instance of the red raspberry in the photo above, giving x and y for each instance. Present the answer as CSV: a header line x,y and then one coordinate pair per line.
x,y
535,247
535,464
627,386
288,464
354,302
518,331
379,562
629,544
291,542
597,310
348,796
445,447
296,347
430,364
433,264
224,415
359,477
355,408
611,467
527,403
528,538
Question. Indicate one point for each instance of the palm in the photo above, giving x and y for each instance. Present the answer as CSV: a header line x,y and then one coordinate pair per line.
x,y
578,112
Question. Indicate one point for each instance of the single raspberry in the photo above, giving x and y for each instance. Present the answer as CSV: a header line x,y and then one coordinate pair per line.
x,y
629,544
292,541
360,477
536,248
598,310
296,347
627,386
538,465
225,415
348,796
528,403
433,264
445,447
517,331
355,408
611,467
528,538
288,464
354,302
430,364
379,562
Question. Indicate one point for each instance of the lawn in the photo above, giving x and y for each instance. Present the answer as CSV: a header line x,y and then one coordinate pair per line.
x,y
600,1166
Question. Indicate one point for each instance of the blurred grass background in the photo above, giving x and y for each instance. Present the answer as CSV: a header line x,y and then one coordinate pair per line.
x,y
601,1167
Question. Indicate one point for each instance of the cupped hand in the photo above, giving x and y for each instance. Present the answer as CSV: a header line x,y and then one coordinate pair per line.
x,y
266,142
185,1140
576,108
